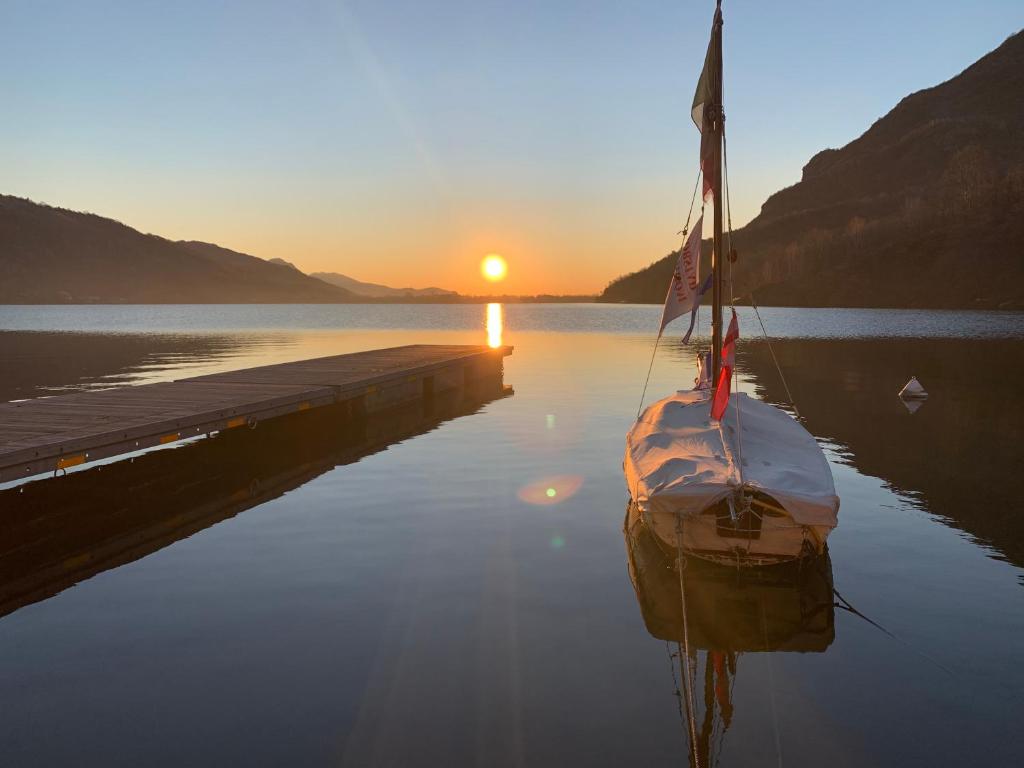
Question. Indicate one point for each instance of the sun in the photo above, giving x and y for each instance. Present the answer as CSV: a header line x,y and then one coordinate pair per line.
x,y
493,268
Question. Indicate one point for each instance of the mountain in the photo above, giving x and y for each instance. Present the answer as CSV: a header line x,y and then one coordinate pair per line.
x,y
53,255
284,263
374,290
925,209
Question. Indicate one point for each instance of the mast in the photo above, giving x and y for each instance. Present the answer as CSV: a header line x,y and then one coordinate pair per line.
x,y
717,119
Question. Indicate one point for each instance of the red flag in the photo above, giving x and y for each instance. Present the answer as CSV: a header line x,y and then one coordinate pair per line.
x,y
729,343
721,397
722,387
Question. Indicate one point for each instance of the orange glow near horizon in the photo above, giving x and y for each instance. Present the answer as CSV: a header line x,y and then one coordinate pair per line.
x,y
494,268
495,325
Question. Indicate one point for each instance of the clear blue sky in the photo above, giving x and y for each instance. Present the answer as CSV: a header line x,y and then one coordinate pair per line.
x,y
399,141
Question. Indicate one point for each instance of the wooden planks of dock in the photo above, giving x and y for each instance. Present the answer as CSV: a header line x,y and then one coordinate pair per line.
x,y
56,433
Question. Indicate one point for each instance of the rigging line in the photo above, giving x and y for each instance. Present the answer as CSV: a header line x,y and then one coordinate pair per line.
x,y
846,606
675,685
685,230
691,716
693,199
728,202
775,360
680,566
771,686
648,379
728,257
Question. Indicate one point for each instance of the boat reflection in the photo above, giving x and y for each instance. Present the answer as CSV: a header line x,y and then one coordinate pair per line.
x,y
62,530
728,612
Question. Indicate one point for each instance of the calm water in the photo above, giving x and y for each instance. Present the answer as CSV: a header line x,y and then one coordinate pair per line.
x,y
408,592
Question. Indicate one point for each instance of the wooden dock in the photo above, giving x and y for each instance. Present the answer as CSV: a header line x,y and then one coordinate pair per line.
x,y
56,433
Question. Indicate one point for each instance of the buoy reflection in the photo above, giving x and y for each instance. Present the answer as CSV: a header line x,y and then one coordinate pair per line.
x,y
495,325
550,490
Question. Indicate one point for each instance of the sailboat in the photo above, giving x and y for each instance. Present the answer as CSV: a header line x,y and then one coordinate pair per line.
x,y
714,474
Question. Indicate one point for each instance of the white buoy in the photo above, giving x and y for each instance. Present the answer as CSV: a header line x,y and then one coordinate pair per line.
x,y
913,390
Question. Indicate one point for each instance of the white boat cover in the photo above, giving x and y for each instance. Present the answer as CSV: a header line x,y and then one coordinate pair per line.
x,y
679,460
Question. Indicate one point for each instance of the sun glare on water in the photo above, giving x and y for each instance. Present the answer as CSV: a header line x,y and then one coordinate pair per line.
x,y
495,325
493,267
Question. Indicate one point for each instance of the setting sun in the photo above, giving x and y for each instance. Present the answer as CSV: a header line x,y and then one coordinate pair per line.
x,y
493,267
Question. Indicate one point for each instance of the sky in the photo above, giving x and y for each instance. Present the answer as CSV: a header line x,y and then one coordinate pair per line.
x,y
400,141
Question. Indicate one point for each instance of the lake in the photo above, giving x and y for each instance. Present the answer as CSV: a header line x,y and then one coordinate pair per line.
x,y
455,588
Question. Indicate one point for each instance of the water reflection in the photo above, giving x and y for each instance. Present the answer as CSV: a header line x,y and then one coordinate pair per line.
x,y
495,325
728,613
40,363
62,530
953,457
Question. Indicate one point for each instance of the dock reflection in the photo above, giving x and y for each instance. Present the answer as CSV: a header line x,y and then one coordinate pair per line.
x,y
62,530
786,608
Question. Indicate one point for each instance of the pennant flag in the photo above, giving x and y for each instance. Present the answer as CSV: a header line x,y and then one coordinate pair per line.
x,y
702,100
720,399
693,313
729,342
682,291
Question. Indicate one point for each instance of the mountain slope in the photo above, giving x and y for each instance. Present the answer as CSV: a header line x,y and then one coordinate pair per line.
x,y
376,290
52,255
925,209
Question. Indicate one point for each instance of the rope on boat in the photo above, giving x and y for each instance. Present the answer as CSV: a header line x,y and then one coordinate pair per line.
x,y
684,232
728,258
732,299
775,360
650,368
845,605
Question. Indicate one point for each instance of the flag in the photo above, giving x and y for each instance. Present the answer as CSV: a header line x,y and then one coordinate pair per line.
x,y
696,305
729,342
720,399
702,100
703,380
682,291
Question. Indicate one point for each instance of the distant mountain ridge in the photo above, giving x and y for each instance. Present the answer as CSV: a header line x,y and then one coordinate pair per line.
x,y
373,290
925,209
55,256
368,290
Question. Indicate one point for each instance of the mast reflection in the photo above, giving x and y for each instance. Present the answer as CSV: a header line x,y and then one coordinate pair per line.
x,y
62,530
728,612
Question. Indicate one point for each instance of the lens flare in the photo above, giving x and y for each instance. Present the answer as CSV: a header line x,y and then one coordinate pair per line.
x,y
550,490
495,325
493,268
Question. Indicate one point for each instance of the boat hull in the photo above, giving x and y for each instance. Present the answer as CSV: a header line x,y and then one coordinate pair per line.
x,y
713,535
751,489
